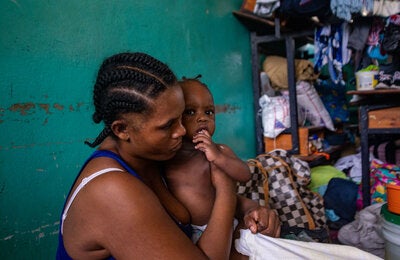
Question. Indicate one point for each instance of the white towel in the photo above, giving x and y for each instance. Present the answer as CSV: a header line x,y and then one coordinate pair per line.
x,y
259,247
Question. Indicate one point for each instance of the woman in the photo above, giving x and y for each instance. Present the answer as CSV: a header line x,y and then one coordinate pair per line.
x,y
119,206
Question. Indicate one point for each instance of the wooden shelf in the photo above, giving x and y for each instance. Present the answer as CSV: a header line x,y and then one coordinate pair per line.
x,y
320,159
255,23
273,25
379,96
284,139
374,92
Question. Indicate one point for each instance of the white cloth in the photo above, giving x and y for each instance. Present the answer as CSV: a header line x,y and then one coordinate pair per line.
x,y
259,247
352,162
386,8
309,101
275,115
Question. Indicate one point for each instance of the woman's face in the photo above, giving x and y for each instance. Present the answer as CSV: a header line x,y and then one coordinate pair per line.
x,y
158,136
199,111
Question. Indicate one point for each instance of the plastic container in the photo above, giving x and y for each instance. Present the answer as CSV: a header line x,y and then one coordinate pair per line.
x,y
391,233
393,198
366,80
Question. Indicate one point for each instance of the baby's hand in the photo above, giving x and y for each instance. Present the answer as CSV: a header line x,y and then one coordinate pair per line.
x,y
205,144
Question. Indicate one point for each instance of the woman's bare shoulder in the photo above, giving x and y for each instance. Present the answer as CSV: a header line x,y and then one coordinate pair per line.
x,y
123,216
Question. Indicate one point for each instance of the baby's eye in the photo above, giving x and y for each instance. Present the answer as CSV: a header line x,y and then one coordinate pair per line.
x,y
210,112
189,112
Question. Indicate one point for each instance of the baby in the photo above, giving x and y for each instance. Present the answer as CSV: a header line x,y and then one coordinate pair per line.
x,y
188,173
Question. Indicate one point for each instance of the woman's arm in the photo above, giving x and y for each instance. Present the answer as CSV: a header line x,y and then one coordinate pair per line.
x,y
218,234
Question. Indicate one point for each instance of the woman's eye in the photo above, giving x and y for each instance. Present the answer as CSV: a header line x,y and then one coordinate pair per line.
x,y
167,126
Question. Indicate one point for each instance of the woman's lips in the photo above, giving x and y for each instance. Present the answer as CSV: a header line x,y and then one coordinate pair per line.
x,y
177,147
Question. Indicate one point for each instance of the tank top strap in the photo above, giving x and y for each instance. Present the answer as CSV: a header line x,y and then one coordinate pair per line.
x,y
80,186
95,154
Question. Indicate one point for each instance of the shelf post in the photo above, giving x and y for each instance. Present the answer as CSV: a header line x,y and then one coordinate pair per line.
x,y
255,57
290,49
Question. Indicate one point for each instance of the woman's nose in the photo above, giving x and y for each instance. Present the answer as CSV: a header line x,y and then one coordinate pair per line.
x,y
180,131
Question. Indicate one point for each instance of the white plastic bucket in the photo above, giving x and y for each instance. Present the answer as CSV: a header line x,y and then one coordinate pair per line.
x,y
365,80
391,233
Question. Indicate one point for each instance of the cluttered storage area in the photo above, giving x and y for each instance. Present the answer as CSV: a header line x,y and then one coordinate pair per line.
x,y
326,86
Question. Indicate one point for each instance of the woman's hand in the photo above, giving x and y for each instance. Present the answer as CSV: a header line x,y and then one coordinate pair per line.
x,y
258,219
218,234
263,220
222,182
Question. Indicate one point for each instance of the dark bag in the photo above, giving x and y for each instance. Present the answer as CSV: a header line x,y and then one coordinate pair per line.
x,y
391,38
305,8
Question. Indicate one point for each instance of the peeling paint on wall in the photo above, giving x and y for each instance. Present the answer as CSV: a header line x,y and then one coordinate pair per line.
x,y
226,108
45,107
49,144
39,232
58,107
22,108
30,108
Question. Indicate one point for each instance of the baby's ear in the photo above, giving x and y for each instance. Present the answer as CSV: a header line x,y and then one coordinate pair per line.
x,y
119,128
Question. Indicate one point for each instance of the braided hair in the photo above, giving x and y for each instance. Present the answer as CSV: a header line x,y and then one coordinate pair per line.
x,y
127,82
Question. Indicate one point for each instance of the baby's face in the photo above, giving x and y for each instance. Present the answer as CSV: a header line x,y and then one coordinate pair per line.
x,y
199,111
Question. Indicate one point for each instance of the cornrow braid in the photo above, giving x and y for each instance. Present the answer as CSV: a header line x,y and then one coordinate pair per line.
x,y
127,83
141,61
142,71
144,83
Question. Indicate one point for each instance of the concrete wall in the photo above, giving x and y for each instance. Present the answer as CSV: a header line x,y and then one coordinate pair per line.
x,y
49,53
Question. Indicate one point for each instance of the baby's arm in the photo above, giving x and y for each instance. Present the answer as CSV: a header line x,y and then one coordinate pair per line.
x,y
231,164
222,156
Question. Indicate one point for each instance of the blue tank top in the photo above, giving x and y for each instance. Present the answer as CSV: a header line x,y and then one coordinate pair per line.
x,y
61,252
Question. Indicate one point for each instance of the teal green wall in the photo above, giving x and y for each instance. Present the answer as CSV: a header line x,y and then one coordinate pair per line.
x,y
49,53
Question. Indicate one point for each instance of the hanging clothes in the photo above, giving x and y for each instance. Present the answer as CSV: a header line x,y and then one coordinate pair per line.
x,y
330,43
